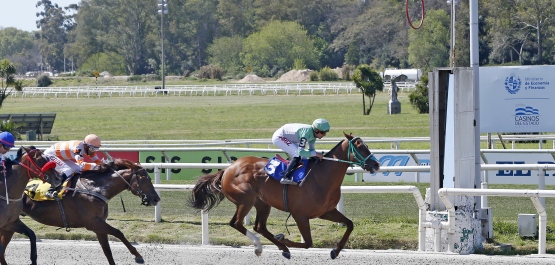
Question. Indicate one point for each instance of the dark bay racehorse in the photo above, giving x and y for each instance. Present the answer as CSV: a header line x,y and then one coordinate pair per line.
x,y
87,205
246,184
16,177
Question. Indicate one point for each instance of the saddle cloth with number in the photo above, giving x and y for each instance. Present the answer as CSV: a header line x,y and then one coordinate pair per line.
x,y
36,190
276,166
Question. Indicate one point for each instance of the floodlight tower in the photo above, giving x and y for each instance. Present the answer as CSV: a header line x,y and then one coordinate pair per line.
x,y
162,9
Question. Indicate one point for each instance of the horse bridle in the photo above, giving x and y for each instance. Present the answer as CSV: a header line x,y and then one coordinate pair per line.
x,y
36,169
360,159
139,192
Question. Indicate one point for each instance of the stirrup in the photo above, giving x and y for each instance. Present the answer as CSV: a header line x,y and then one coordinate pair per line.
x,y
52,194
287,181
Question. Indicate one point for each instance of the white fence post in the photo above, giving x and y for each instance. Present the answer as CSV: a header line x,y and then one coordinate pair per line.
x,y
158,207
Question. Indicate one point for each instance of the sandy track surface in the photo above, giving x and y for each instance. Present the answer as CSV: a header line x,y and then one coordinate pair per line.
x,y
65,252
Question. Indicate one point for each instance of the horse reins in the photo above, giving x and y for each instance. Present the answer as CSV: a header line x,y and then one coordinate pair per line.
x,y
361,160
139,192
39,174
7,199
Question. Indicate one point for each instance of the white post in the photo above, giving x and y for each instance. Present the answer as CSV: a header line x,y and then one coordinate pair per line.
x,y
158,207
204,221
541,183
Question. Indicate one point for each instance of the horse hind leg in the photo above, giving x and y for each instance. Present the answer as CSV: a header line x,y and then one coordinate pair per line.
x,y
338,217
237,223
262,213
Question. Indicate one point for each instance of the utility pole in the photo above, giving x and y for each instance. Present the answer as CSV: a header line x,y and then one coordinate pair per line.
x,y
163,9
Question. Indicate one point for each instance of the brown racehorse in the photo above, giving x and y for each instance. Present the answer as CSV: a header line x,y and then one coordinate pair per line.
x,y
16,178
246,184
87,205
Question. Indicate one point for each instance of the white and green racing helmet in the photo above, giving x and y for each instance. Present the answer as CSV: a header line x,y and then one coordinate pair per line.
x,y
321,125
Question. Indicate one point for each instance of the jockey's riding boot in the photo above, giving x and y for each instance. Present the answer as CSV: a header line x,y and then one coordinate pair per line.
x,y
287,178
55,187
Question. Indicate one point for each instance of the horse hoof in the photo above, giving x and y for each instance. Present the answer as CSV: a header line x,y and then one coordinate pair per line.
x,y
279,237
287,255
139,260
333,254
258,252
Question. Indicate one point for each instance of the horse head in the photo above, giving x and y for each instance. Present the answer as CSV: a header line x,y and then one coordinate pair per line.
x,y
37,165
359,153
140,183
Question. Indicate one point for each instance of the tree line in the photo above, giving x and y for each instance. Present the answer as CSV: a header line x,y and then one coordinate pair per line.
x,y
269,37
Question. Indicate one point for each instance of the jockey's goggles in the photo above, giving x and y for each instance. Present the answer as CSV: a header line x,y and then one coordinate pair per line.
x,y
93,148
323,132
6,147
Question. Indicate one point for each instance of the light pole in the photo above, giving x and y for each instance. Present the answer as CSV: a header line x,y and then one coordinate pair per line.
x,y
163,9
453,4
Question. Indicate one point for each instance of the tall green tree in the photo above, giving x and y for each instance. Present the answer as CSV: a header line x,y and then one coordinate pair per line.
x,y
369,82
19,47
535,17
277,45
125,27
236,17
373,33
53,24
226,52
429,46
7,72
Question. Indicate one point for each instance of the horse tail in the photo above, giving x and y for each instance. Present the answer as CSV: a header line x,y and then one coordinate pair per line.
x,y
207,192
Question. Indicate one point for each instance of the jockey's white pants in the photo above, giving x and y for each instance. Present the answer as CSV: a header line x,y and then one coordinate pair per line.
x,y
284,144
67,167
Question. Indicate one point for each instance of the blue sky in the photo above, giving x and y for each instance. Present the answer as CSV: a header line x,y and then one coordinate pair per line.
x,y
21,14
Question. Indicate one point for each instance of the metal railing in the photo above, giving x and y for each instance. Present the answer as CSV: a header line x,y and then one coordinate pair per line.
x,y
190,90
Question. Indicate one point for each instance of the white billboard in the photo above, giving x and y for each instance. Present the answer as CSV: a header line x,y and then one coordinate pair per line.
x,y
515,99
493,176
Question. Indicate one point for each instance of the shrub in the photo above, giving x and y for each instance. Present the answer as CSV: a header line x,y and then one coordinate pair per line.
x,y
347,71
264,71
135,78
419,97
44,81
211,71
326,74
299,64
314,76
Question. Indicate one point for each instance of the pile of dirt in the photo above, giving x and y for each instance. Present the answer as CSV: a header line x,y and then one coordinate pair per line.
x,y
295,76
251,79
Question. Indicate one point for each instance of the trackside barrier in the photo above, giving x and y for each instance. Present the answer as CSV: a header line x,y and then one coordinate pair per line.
x,y
344,189
422,225
533,194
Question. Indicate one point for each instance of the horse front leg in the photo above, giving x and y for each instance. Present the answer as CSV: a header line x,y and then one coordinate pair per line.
x,y
4,234
103,240
337,217
19,227
303,223
102,230
2,255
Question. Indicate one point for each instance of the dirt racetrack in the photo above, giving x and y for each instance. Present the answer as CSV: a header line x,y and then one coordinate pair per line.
x,y
65,252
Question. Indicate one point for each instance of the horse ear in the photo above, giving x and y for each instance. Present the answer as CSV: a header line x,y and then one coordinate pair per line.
x,y
348,136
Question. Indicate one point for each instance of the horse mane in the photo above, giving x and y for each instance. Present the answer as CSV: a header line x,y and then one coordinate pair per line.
x,y
121,163
348,136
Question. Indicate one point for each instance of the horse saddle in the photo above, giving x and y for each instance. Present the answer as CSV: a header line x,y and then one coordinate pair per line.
x,y
276,166
36,190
